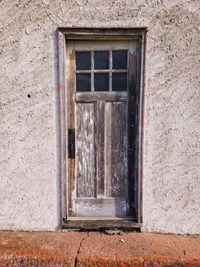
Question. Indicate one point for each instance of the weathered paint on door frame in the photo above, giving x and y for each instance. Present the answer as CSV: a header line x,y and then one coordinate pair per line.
x,y
86,34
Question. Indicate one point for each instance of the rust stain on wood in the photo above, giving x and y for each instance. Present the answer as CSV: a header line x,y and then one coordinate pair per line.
x,y
72,56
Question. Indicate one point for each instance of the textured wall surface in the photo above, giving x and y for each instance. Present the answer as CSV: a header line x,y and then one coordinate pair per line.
x,y
29,176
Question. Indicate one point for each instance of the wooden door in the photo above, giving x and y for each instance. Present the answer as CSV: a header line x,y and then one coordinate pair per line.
x,y
98,105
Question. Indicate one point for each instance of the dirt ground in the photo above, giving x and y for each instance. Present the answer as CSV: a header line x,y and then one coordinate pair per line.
x,y
97,249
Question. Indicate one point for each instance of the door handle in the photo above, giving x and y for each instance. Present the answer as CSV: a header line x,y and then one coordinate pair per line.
x,y
71,143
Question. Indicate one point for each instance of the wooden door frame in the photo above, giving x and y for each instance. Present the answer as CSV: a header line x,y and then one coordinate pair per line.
x,y
138,34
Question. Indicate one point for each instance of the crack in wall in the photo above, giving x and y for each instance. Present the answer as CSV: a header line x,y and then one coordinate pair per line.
x,y
79,249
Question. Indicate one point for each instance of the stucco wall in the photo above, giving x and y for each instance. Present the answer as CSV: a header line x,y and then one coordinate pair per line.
x,y
29,161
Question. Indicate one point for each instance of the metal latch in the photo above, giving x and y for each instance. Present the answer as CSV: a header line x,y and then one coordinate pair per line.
x,y
71,143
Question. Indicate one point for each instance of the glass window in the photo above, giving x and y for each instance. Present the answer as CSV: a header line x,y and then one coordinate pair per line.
x,y
119,81
101,82
83,82
96,77
83,60
101,60
119,59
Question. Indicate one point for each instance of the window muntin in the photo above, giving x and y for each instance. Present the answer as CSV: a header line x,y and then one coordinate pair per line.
x,y
101,70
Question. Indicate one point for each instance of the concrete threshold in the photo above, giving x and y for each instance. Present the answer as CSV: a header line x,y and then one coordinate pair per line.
x,y
97,249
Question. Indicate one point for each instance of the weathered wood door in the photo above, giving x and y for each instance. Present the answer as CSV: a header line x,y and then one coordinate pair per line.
x,y
99,84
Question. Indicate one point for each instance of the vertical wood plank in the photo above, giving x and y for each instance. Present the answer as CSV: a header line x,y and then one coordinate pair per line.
x,y
132,134
141,87
116,149
108,155
70,90
100,149
71,125
61,92
85,150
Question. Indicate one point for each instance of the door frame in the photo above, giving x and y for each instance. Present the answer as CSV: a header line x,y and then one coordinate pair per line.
x,y
138,34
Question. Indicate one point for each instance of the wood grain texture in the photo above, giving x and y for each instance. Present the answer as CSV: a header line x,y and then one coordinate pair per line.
x,y
116,161
104,207
100,149
132,134
85,150
126,224
62,120
70,124
101,96
99,185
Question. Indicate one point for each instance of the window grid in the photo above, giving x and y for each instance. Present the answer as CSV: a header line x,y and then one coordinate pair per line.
x,y
110,70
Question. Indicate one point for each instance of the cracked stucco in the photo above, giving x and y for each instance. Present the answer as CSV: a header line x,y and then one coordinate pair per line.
x,y
29,198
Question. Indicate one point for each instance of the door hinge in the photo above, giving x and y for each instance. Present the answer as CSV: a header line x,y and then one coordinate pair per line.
x,y
71,143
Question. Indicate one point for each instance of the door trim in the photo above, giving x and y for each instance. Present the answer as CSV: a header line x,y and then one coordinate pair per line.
x,y
138,34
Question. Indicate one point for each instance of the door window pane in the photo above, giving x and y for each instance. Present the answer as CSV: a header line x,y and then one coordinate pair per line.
x,y
101,60
119,59
119,81
83,60
83,82
101,82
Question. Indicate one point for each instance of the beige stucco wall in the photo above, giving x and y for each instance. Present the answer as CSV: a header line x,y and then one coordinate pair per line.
x,y
29,161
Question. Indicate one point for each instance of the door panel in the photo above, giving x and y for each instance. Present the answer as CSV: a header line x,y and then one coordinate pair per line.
x,y
101,207
116,149
85,150
101,159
